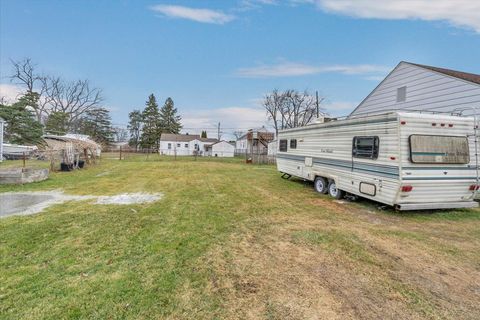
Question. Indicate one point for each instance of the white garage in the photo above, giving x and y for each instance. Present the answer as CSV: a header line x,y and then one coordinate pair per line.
x,y
222,149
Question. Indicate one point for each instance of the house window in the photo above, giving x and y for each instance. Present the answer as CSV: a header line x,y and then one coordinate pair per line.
x,y
293,143
365,147
186,145
283,145
401,94
178,145
169,146
196,146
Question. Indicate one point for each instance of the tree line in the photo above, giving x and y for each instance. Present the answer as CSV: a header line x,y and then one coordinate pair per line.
x,y
146,126
53,105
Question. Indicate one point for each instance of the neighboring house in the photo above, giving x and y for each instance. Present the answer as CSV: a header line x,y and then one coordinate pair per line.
x,y
416,87
254,141
220,149
184,144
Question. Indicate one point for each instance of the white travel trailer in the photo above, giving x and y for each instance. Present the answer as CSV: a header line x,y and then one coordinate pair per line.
x,y
410,161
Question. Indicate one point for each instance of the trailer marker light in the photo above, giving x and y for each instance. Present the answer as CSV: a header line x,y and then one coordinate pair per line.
x,y
443,124
392,158
407,188
433,124
403,122
450,125
474,187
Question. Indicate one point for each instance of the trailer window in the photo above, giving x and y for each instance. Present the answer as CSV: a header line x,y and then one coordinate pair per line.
x,y
365,147
293,143
439,149
283,145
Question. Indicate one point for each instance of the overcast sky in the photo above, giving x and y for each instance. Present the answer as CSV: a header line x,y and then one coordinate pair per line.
x,y
216,59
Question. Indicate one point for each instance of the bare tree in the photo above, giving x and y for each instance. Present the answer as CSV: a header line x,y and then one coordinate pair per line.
x,y
291,108
74,98
238,134
274,104
25,74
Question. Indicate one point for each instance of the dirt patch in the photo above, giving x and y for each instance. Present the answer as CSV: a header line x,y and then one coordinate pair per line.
x,y
129,198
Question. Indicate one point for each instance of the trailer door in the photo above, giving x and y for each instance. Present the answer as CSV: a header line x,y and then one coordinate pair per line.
x,y
366,148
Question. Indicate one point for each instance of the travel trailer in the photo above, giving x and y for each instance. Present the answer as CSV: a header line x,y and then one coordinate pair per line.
x,y
407,160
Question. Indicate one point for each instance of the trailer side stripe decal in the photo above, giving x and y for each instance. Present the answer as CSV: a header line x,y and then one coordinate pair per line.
x,y
388,171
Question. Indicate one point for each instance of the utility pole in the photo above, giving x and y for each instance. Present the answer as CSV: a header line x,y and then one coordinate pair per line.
x,y
1,139
318,108
218,132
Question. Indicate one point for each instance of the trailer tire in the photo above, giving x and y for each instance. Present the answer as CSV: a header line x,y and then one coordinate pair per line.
x,y
320,185
334,192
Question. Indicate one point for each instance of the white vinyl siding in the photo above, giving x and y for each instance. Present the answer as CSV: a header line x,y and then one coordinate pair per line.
x,y
425,90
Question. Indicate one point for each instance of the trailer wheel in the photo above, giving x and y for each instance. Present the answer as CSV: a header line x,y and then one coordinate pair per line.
x,y
321,185
334,192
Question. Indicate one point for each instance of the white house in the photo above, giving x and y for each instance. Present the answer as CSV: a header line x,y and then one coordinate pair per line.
x,y
416,87
184,144
221,149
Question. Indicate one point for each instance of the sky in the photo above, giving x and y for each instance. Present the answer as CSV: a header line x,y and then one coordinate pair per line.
x,y
217,59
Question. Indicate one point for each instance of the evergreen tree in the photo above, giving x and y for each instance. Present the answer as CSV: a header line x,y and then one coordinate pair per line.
x,y
204,134
135,128
57,123
21,124
97,124
169,120
151,132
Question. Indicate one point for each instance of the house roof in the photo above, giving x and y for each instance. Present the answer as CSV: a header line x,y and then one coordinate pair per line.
x,y
208,140
179,137
472,77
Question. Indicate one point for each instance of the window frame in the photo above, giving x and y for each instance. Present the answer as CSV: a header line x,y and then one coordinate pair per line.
x,y
375,152
436,135
285,141
169,146
294,145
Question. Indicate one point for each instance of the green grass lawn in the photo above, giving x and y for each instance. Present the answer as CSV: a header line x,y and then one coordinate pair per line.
x,y
230,240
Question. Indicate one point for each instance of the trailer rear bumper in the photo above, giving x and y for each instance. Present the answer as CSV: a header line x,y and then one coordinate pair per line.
x,y
433,205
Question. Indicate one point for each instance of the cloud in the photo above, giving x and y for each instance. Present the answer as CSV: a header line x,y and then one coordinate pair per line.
x,y
292,69
10,92
460,13
194,14
230,118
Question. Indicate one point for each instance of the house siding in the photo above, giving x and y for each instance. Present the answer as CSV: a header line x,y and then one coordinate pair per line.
x,y
426,90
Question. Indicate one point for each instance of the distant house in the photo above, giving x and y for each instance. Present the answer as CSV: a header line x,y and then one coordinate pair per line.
x,y
254,141
184,144
220,149
416,87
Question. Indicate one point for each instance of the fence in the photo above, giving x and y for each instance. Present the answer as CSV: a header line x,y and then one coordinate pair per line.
x,y
256,157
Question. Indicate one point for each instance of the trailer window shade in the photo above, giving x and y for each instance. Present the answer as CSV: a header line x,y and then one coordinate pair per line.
x,y
439,149
283,145
293,143
365,147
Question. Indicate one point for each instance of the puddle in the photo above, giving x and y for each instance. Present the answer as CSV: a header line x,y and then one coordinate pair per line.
x,y
25,203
